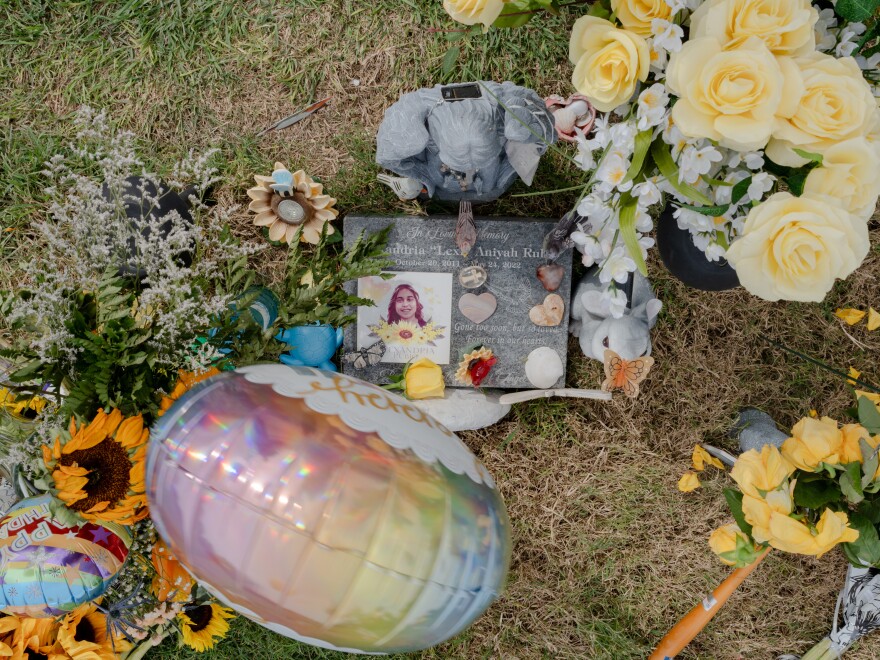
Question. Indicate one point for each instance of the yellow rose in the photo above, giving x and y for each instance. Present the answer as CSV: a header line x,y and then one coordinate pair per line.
x,y
793,248
785,26
849,174
814,441
424,380
724,539
790,535
759,511
764,471
850,448
636,15
731,95
471,12
836,105
608,62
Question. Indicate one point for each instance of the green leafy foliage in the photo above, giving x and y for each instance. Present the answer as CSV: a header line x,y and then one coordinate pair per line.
x,y
663,158
313,290
640,152
113,368
814,491
628,207
869,416
865,550
856,10
744,554
734,502
851,482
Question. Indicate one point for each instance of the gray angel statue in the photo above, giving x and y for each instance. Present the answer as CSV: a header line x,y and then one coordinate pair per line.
x,y
466,142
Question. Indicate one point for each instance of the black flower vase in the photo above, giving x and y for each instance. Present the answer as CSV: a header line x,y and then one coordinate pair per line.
x,y
136,208
687,262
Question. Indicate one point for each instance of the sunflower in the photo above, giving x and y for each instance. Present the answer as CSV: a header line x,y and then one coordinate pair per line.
x,y
204,625
384,331
475,366
32,638
99,468
185,381
23,408
406,332
82,635
171,582
284,202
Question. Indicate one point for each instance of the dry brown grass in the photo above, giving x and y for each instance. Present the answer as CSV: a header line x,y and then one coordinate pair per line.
x,y
607,553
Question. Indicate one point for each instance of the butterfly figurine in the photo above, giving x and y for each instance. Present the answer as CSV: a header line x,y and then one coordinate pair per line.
x,y
625,375
365,357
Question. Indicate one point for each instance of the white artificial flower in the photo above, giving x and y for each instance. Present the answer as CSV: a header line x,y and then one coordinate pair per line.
x,y
623,137
723,194
714,251
644,223
616,302
601,134
702,239
825,39
869,64
595,208
667,35
617,266
584,158
647,192
696,162
693,221
646,243
754,160
675,139
612,172
651,108
658,59
761,183
680,5
847,41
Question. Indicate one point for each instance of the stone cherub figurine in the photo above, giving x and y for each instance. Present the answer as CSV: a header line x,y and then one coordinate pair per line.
x,y
593,324
465,142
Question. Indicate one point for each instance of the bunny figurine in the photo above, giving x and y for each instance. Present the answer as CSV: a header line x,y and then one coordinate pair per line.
x,y
593,324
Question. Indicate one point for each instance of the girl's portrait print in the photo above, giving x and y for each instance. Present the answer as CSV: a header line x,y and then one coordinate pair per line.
x,y
412,315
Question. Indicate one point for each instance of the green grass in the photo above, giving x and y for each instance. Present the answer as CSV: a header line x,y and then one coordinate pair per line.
x,y
608,555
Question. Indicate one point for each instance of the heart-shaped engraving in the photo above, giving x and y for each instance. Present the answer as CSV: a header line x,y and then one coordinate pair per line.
x,y
550,276
549,312
478,308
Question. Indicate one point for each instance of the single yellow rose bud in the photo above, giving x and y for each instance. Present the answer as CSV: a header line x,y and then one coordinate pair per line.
x,y
814,441
723,540
423,380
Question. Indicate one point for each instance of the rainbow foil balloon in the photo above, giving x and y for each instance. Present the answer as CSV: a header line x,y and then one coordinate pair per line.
x,y
48,566
327,509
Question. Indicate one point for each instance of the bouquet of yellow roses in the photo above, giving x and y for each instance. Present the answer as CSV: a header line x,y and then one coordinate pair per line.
x,y
757,119
820,490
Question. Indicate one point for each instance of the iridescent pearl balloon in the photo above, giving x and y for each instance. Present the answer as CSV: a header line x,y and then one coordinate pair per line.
x,y
50,564
327,509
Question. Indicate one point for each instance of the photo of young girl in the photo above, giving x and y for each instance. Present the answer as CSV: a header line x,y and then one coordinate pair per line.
x,y
412,315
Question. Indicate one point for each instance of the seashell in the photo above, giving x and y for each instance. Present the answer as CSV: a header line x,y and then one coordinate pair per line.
x,y
543,367
568,114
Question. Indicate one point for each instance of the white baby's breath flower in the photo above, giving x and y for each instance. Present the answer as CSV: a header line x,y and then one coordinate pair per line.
x,y
651,107
694,162
659,58
615,302
667,35
644,222
584,158
847,40
693,221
